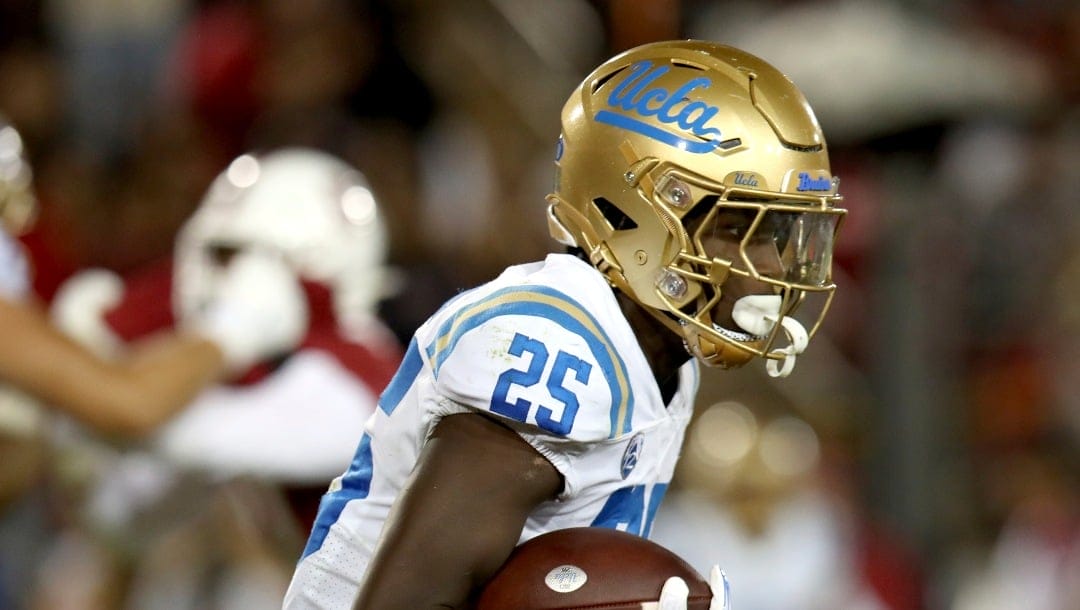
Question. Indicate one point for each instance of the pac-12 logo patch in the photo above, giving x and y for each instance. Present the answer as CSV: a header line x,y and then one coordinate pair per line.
x,y
631,455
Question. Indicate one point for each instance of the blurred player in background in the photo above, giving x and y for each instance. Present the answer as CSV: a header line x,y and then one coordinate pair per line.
x,y
286,424
756,486
257,311
694,194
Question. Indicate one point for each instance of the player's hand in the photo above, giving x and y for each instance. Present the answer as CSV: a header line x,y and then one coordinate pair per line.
x,y
79,308
259,311
673,595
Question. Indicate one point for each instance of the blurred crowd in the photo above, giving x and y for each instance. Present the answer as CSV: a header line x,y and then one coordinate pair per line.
x,y
926,456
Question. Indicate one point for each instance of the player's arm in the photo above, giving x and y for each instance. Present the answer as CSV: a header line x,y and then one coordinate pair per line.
x,y
259,310
127,397
459,517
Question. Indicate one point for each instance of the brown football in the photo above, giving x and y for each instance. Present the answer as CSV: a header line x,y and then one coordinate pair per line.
x,y
588,567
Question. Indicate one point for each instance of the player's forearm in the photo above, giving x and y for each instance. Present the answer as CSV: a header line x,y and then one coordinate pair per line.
x,y
114,398
414,568
163,377
122,398
132,397
458,518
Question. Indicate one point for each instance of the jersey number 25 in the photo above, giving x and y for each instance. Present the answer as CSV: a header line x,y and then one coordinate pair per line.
x,y
533,374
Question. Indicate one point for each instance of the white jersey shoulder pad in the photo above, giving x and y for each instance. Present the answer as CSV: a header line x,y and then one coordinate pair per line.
x,y
537,346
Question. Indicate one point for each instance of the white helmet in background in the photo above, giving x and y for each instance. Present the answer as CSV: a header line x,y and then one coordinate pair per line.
x,y
307,206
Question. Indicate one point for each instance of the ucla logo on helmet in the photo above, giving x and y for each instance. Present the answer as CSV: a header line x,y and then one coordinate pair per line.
x,y
634,99
746,179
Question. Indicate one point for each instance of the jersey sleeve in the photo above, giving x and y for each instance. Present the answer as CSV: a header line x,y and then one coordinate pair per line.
x,y
537,359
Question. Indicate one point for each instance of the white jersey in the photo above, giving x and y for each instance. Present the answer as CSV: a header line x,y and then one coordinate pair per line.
x,y
545,349
295,427
14,272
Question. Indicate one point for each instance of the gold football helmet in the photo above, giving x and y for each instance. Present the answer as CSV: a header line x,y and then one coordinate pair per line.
x,y
18,206
695,177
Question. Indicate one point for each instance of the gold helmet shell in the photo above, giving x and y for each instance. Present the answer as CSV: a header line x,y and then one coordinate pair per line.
x,y
661,142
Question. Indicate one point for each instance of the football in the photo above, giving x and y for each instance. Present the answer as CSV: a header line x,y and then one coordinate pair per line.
x,y
589,567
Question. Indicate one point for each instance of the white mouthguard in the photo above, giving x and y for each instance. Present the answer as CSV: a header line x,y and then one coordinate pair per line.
x,y
757,314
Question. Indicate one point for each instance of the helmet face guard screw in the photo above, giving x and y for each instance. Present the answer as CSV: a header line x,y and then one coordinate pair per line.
x,y
630,177
676,193
671,284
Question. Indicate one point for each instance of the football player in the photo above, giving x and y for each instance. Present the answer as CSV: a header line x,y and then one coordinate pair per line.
x,y
277,431
694,195
318,214
288,419
257,312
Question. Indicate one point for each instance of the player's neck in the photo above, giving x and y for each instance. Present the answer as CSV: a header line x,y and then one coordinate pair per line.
x,y
663,349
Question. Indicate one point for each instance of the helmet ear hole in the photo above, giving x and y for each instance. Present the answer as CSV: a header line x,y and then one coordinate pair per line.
x,y
618,219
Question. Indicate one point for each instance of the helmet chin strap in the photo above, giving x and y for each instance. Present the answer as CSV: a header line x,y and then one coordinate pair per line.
x,y
717,353
757,314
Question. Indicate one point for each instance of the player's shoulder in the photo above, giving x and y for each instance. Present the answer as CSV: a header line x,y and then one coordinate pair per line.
x,y
542,344
560,293
527,287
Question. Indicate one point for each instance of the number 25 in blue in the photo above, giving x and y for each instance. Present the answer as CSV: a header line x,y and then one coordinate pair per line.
x,y
519,409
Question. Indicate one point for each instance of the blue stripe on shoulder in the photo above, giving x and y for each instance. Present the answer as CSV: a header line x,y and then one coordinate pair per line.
x,y
355,485
403,378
